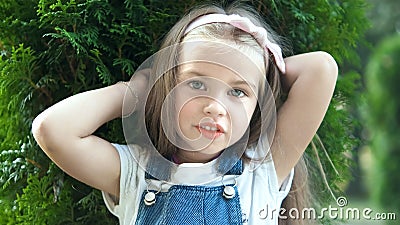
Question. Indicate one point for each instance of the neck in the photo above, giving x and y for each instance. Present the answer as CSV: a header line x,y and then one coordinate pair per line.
x,y
193,157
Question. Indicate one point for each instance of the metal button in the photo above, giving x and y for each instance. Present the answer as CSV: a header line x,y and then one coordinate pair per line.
x,y
229,192
149,198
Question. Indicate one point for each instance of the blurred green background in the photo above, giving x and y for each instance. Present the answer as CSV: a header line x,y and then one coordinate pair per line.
x,y
375,182
51,49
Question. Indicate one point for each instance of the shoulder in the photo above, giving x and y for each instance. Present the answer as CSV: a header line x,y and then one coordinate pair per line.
x,y
132,162
261,165
260,192
131,183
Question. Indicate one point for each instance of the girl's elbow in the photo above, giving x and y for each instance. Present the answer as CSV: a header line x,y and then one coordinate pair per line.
x,y
328,66
40,130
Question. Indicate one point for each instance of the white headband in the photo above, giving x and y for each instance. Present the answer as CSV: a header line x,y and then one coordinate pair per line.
x,y
243,23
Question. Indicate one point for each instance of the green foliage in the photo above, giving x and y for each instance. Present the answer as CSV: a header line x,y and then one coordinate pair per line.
x,y
53,199
382,113
37,203
336,27
384,19
51,49
333,26
17,108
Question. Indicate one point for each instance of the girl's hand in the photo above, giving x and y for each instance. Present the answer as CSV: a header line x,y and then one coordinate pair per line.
x,y
136,91
310,79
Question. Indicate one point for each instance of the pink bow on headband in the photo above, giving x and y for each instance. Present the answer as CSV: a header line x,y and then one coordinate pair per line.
x,y
243,23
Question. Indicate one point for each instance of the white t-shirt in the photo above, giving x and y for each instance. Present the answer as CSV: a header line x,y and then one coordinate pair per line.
x,y
259,192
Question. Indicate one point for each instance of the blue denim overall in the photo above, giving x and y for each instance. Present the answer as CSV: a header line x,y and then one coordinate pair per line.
x,y
193,205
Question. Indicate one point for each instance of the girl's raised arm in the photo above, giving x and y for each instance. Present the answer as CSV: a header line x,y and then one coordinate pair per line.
x,y
65,133
310,79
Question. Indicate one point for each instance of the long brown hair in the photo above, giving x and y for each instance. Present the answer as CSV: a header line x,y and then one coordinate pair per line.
x,y
299,194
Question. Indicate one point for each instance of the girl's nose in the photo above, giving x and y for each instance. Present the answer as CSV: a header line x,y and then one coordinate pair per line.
x,y
214,109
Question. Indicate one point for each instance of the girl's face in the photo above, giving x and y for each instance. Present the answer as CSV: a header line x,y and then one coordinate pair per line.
x,y
215,98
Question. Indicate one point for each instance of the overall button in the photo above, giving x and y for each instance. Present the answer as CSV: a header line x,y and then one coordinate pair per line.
x,y
229,192
149,198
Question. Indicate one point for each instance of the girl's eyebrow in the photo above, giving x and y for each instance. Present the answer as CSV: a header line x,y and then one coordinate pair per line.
x,y
235,82
242,82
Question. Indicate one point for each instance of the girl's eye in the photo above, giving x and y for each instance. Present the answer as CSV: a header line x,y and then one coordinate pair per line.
x,y
197,85
237,93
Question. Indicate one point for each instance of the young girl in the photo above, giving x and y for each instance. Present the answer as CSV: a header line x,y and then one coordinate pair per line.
x,y
209,140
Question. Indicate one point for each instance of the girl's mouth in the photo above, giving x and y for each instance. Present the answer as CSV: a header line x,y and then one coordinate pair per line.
x,y
210,130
